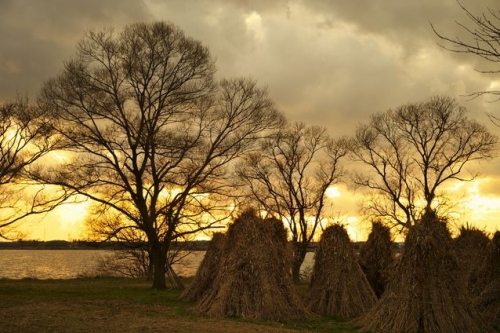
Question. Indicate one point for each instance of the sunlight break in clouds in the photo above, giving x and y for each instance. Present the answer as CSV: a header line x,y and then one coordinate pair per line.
x,y
71,216
254,24
333,192
476,208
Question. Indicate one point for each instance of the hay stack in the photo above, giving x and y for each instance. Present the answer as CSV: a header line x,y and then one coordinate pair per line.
x,y
489,299
426,293
376,257
338,285
490,267
254,278
207,271
489,303
471,247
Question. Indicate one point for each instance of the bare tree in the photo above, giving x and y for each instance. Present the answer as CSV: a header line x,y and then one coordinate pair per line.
x,y
412,151
26,136
289,178
152,133
482,38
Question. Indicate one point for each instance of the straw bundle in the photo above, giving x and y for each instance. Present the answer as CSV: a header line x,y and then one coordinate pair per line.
x,y
338,285
376,257
426,294
471,247
254,278
489,299
207,271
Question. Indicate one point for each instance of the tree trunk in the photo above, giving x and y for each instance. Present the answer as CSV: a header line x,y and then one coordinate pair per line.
x,y
299,254
158,260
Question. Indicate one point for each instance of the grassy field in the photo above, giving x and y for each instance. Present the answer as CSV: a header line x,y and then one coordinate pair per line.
x,y
114,305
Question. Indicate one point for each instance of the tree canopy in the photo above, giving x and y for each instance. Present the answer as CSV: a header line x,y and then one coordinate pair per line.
x,y
411,151
26,136
289,178
151,132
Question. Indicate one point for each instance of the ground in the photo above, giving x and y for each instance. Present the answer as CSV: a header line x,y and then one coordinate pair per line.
x,y
121,306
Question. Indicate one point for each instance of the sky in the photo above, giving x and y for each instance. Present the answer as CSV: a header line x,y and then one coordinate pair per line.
x,y
325,62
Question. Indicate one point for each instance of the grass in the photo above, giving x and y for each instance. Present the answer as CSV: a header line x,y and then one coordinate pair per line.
x,y
114,305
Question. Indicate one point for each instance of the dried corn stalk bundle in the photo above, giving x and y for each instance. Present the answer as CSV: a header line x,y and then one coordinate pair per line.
x,y
471,247
338,285
427,293
207,271
376,257
254,278
488,301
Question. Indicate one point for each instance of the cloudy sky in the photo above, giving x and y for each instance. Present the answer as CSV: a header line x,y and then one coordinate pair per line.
x,y
325,62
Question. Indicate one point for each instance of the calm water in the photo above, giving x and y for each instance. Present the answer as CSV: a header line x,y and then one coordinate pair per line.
x,y
66,264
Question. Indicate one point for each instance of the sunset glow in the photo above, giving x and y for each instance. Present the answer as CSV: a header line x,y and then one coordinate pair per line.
x,y
475,208
325,63
333,192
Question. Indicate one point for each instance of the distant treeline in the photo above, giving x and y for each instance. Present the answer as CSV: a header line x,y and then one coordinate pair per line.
x,y
201,245
90,245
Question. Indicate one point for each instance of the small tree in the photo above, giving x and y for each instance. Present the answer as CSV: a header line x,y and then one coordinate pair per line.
x,y
289,178
26,136
411,151
153,135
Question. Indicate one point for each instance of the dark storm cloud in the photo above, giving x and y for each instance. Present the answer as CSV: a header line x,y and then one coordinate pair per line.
x,y
37,36
326,62
307,56
334,62
404,21
397,58
330,63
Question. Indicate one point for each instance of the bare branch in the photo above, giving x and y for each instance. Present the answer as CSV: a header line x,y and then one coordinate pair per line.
x,y
290,176
26,136
482,39
153,134
412,151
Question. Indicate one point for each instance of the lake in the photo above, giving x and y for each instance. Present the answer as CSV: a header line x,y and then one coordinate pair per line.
x,y
67,264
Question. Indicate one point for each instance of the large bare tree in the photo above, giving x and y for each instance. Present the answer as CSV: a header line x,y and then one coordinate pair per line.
x,y
411,151
481,37
151,133
289,179
26,136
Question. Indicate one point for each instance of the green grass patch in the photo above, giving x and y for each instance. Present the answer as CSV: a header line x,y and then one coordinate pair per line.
x,y
115,305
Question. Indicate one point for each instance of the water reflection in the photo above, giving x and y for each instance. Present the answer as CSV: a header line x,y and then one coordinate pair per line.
x,y
67,264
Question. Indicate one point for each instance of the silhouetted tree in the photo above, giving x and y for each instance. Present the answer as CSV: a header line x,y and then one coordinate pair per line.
x,y
481,38
152,133
289,178
411,151
26,136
